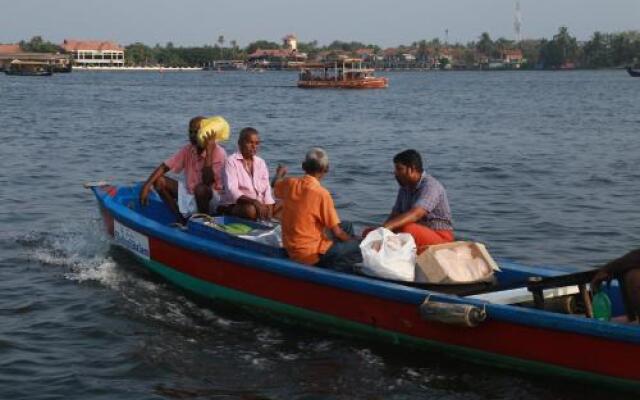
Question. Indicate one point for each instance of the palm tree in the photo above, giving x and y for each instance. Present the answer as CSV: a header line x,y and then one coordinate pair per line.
x,y
234,46
485,44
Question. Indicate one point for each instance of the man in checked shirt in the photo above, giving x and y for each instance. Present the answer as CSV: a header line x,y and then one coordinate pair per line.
x,y
421,208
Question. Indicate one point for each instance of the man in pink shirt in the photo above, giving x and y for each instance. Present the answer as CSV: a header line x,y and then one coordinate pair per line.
x,y
201,180
247,192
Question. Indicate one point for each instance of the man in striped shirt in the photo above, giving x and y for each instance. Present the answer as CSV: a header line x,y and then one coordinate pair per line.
x,y
421,208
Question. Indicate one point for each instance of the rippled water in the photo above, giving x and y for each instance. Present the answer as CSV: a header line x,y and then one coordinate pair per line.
x,y
543,167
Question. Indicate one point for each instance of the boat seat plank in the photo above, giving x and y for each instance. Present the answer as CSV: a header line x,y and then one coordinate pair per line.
x,y
522,295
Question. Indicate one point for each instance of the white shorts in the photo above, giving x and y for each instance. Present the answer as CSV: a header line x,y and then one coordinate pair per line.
x,y
187,202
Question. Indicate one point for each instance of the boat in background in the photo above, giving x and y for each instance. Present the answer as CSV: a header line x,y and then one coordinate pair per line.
x,y
225,65
634,73
525,321
29,68
343,74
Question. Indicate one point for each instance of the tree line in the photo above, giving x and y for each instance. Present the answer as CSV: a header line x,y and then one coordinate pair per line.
x,y
602,50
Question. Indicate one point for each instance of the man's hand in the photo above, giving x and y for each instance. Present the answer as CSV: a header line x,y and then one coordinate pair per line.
x,y
263,211
144,194
210,148
210,144
281,171
339,234
368,230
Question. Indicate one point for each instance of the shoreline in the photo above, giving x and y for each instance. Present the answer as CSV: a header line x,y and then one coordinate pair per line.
x,y
141,69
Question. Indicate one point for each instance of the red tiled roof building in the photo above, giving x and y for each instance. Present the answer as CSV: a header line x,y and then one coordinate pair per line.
x,y
10,48
94,53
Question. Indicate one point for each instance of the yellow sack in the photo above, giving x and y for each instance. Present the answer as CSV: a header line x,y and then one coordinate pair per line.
x,y
216,127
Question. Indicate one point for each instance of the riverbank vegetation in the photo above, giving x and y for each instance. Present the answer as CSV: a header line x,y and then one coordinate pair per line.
x,y
602,50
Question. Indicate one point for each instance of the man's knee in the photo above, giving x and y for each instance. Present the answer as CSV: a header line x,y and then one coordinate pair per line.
x,y
160,184
203,192
631,281
250,211
247,211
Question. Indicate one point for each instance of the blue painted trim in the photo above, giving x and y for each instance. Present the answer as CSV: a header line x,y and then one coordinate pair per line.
x,y
364,285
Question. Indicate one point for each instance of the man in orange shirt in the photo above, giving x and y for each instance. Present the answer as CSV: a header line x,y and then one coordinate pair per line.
x,y
307,211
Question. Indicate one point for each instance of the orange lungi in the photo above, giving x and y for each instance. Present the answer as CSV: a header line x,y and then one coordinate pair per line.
x,y
425,236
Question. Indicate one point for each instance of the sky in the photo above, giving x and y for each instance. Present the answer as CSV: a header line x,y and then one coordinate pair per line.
x,y
385,23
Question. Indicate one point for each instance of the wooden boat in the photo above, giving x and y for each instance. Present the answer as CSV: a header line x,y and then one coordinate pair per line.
x,y
345,74
495,325
632,72
28,68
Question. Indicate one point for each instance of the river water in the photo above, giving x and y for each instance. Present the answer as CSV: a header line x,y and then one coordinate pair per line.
x,y
541,166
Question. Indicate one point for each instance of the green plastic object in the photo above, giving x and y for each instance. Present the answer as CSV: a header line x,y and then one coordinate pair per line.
x,y
601,306
236,228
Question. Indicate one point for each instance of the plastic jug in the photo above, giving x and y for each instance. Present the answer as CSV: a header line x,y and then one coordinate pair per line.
x,y
601,306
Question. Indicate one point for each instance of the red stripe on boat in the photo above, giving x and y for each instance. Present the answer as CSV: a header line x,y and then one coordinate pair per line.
x,y
567,349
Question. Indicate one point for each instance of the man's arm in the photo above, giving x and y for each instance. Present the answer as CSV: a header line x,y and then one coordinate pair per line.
x,y
399,220
281,172
618,266
146,188
207,171
339,234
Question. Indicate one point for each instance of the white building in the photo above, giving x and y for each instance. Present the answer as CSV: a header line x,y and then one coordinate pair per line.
x,y
94,53
290,42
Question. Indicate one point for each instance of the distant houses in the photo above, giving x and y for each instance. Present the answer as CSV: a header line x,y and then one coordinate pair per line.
x,y
423,55
286,57
438,58
442,57
14,53
80,53
91,53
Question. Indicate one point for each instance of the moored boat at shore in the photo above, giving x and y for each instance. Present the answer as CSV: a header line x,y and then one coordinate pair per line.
x,y
635,73
29,68
343,74
507,330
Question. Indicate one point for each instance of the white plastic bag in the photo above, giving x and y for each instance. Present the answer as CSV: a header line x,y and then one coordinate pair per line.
x,y
389,255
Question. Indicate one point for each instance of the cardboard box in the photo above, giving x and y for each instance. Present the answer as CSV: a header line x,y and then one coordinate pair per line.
x,y
455,263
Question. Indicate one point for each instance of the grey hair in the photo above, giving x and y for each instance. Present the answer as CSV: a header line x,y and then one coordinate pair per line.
x,y
316,160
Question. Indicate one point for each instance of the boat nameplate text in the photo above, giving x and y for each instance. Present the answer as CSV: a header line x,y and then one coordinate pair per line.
x,y
131,240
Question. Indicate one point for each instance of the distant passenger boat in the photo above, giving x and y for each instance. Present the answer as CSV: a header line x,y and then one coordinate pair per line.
x,y
634,73
345,74
28,68
225,65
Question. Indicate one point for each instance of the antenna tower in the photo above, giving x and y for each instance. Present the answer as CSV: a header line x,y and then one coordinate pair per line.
x,y
517,22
